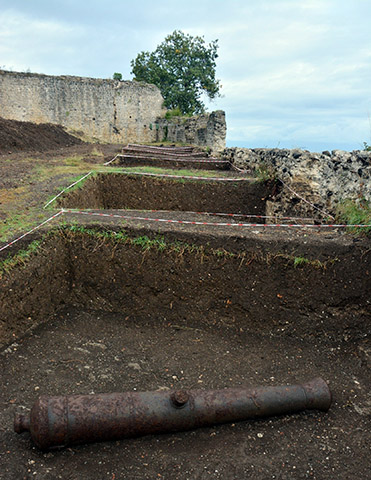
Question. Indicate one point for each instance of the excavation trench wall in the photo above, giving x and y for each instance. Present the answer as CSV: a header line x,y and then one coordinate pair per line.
x,y
140,192
253,290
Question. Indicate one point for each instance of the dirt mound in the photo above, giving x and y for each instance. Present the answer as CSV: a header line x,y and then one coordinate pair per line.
x,y
18,136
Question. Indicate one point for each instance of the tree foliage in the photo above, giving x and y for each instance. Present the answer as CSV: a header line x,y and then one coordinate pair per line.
x,y
183,67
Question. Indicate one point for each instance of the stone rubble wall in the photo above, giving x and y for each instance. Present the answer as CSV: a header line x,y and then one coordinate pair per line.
x,y
324,179
206,130
102,109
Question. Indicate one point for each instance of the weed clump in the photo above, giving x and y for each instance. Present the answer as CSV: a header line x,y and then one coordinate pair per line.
x,y
300,261
352,213
175,112
264,173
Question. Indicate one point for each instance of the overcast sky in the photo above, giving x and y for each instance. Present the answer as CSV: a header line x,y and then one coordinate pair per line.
x,y
295,73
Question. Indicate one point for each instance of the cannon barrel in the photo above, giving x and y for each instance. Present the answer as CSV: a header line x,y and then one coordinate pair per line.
x,y
69,420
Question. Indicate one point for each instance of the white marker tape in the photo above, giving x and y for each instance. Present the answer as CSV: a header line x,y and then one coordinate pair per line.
x,y
188,160
30,231
114,158
189,222
221,214
306,201
67,188
188,177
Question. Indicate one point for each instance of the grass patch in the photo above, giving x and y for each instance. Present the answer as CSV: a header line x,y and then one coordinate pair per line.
x,y
20,258
73,161
181,172
9,195
96,153
144,242
70,166
167,171
22,204
20,223
351,213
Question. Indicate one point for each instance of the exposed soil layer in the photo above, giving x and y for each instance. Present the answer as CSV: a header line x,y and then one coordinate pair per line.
x,y
141,192
116,317
221,230
253,287
26,136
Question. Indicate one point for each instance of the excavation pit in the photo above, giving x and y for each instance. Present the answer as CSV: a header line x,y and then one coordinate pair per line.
x,y
117,191
197,164
170,157
98,309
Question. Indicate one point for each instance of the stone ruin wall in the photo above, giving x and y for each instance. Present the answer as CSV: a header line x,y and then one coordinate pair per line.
x,y
206,130
101,109
323,179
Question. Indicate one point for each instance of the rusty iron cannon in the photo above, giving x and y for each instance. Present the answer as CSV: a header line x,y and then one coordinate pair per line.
x,y
69,420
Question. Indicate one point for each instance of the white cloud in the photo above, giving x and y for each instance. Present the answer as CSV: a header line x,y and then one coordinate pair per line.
x,y
13,23
37,44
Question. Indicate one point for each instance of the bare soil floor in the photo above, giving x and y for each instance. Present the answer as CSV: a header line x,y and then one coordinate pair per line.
x,y
199,307
80,351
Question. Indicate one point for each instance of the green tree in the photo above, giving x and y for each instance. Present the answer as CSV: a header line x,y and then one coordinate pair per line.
x,y
117,76
183,67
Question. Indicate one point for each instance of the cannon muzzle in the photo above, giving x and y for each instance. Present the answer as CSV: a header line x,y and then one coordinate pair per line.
x,y
75,419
